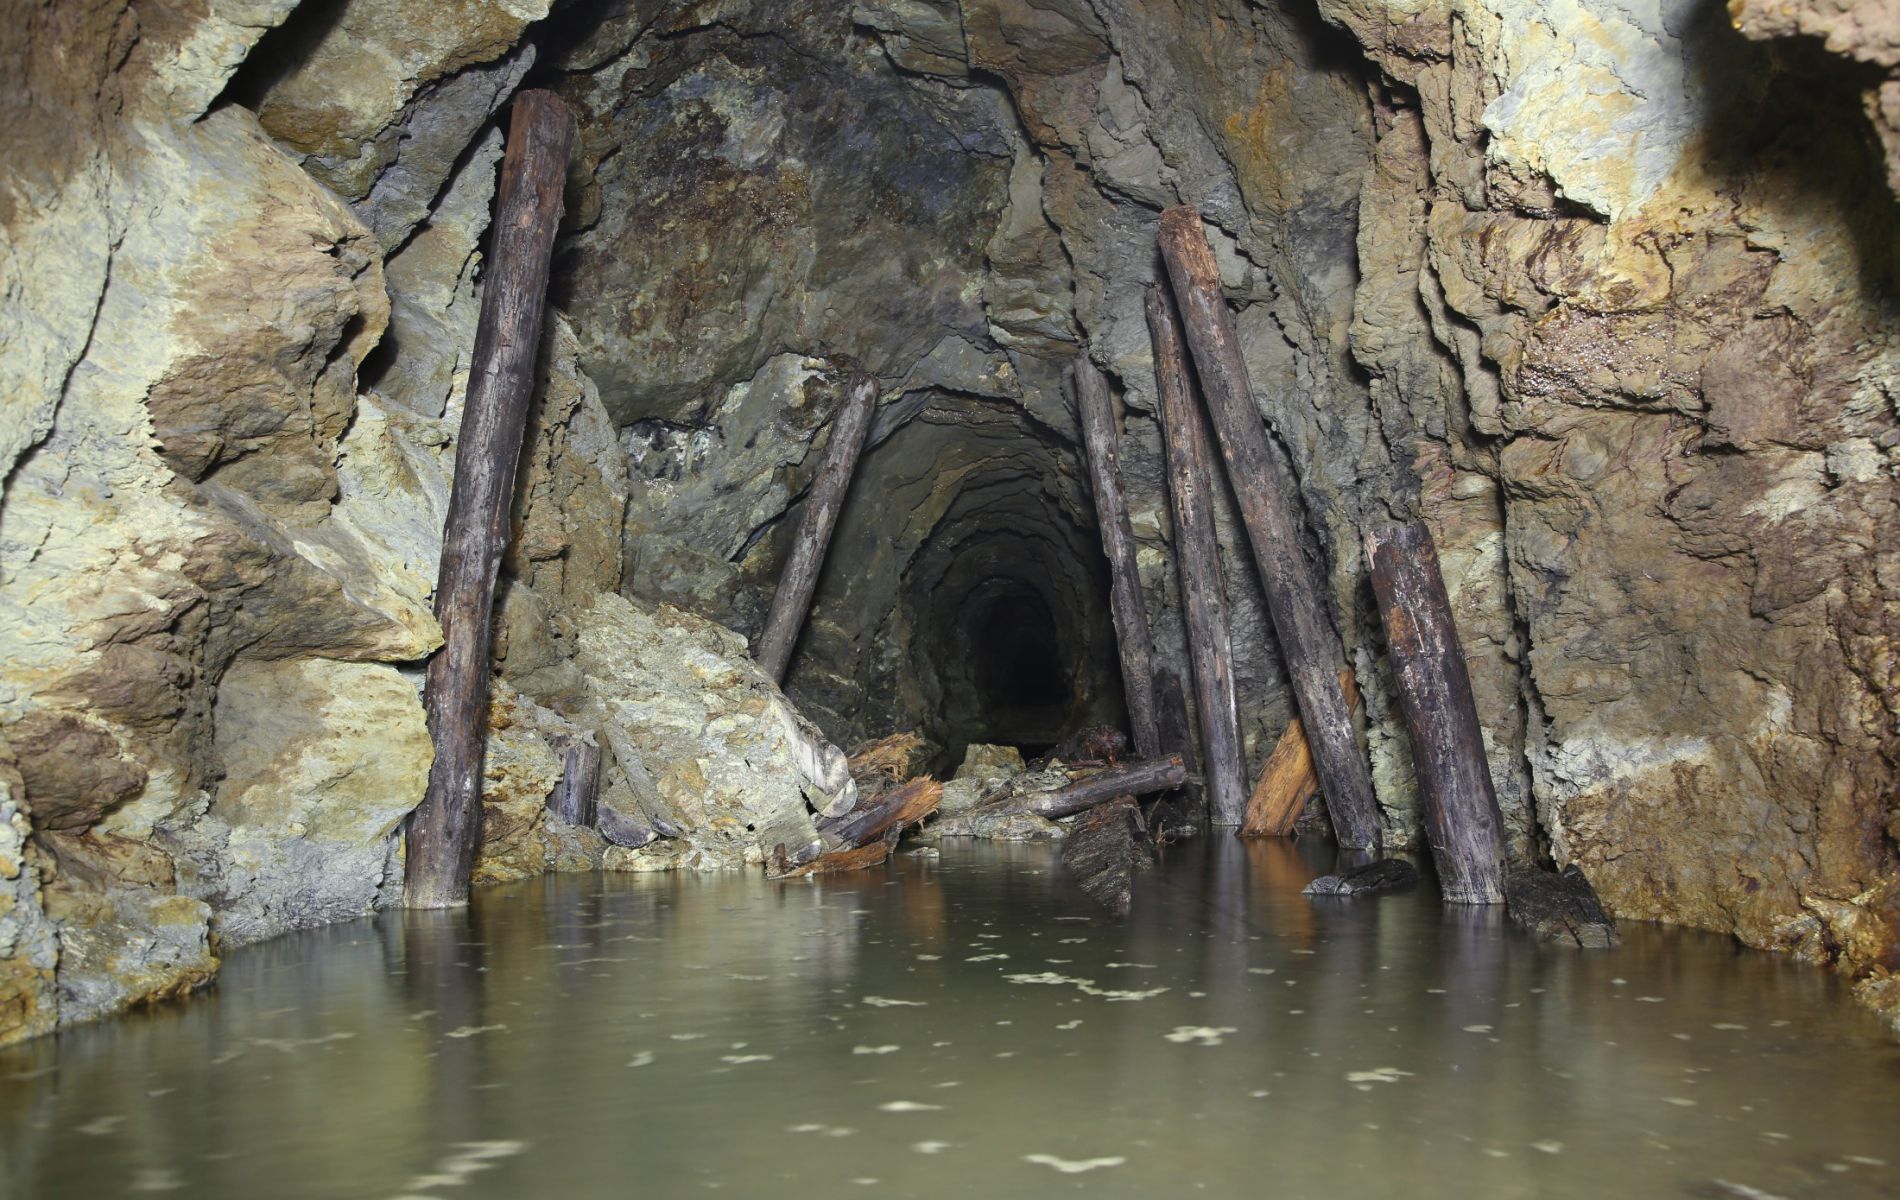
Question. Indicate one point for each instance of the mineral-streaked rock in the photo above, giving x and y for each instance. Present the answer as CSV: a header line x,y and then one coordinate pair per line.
x,y
352,72
689,727
993,763
29,943
323,759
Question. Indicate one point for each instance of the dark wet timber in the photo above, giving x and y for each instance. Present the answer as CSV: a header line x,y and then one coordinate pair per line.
x,y
1106,848
445,828
1462,820
575,798
1130,779
1561,908
1265,491
792,600
1191,473
1130,613
1378,876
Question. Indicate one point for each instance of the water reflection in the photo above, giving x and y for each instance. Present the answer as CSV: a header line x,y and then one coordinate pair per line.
x,y
969,1024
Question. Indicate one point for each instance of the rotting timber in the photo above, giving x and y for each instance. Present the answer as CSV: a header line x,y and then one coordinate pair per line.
x,y
445,829
1266,496
1191,473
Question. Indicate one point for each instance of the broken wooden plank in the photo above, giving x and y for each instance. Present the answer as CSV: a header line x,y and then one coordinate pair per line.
x,y
1462,821
1287,780
1385,874
445,828
1106,848
897,810
1129,779
1266,495
1191,475
1126,606
854,858
792,601
575,797
1560,908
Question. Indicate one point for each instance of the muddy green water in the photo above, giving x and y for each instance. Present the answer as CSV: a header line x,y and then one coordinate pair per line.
x,y
967,1026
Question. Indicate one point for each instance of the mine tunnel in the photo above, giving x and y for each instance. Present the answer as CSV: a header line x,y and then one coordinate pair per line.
x,y
947,597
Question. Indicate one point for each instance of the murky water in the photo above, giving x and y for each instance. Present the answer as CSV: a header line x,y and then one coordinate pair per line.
x,y
967,1026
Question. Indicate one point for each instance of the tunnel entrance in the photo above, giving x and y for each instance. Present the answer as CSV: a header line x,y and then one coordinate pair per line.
x,y
1018,688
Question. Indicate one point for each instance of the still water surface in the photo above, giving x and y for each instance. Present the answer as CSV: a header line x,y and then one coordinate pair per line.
x,y
967,1026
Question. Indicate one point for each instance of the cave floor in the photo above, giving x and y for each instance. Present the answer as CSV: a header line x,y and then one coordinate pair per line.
x,y
967,1025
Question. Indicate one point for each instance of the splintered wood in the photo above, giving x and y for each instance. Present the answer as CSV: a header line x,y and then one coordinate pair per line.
x,y
1287,780
867,834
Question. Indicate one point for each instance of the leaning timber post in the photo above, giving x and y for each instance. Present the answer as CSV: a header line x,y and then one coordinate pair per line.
x,y
792,600
1462,820
1204,594
1266,496
1130,613
445,829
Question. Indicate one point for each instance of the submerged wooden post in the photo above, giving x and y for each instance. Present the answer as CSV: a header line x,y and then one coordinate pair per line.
x,y
1204,595
1462,820
1266,497
1130,613
795,587
445,828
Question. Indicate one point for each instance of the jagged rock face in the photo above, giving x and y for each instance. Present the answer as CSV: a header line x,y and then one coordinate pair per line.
x,y
1602,292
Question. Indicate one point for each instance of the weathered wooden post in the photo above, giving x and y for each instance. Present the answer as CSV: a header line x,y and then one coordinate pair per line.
x,y
1462,820
445,829
575,799
792,600
1130,614
1204,595
1266,496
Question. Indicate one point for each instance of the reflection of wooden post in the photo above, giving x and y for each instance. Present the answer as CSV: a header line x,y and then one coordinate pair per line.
x,y
1118,543
445,829
1266,497
1462,820
1204,595
795,587
1286,780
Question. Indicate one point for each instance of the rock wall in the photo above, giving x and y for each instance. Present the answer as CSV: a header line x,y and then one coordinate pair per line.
x,y
1603,291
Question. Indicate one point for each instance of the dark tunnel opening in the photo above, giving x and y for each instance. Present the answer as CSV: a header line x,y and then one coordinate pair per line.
x,y
1017,672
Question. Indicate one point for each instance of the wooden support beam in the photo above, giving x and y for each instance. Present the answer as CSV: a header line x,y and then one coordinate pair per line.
x,y
1191,476
1129,779
1287,780
1462,820
1129,611
792,601
446,828
1266,495
575,799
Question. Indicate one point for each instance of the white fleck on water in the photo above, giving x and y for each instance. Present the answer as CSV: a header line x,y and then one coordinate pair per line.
x,y
1206,1035
1073,1166
874,1049
643,1059
887,1002
908,1106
